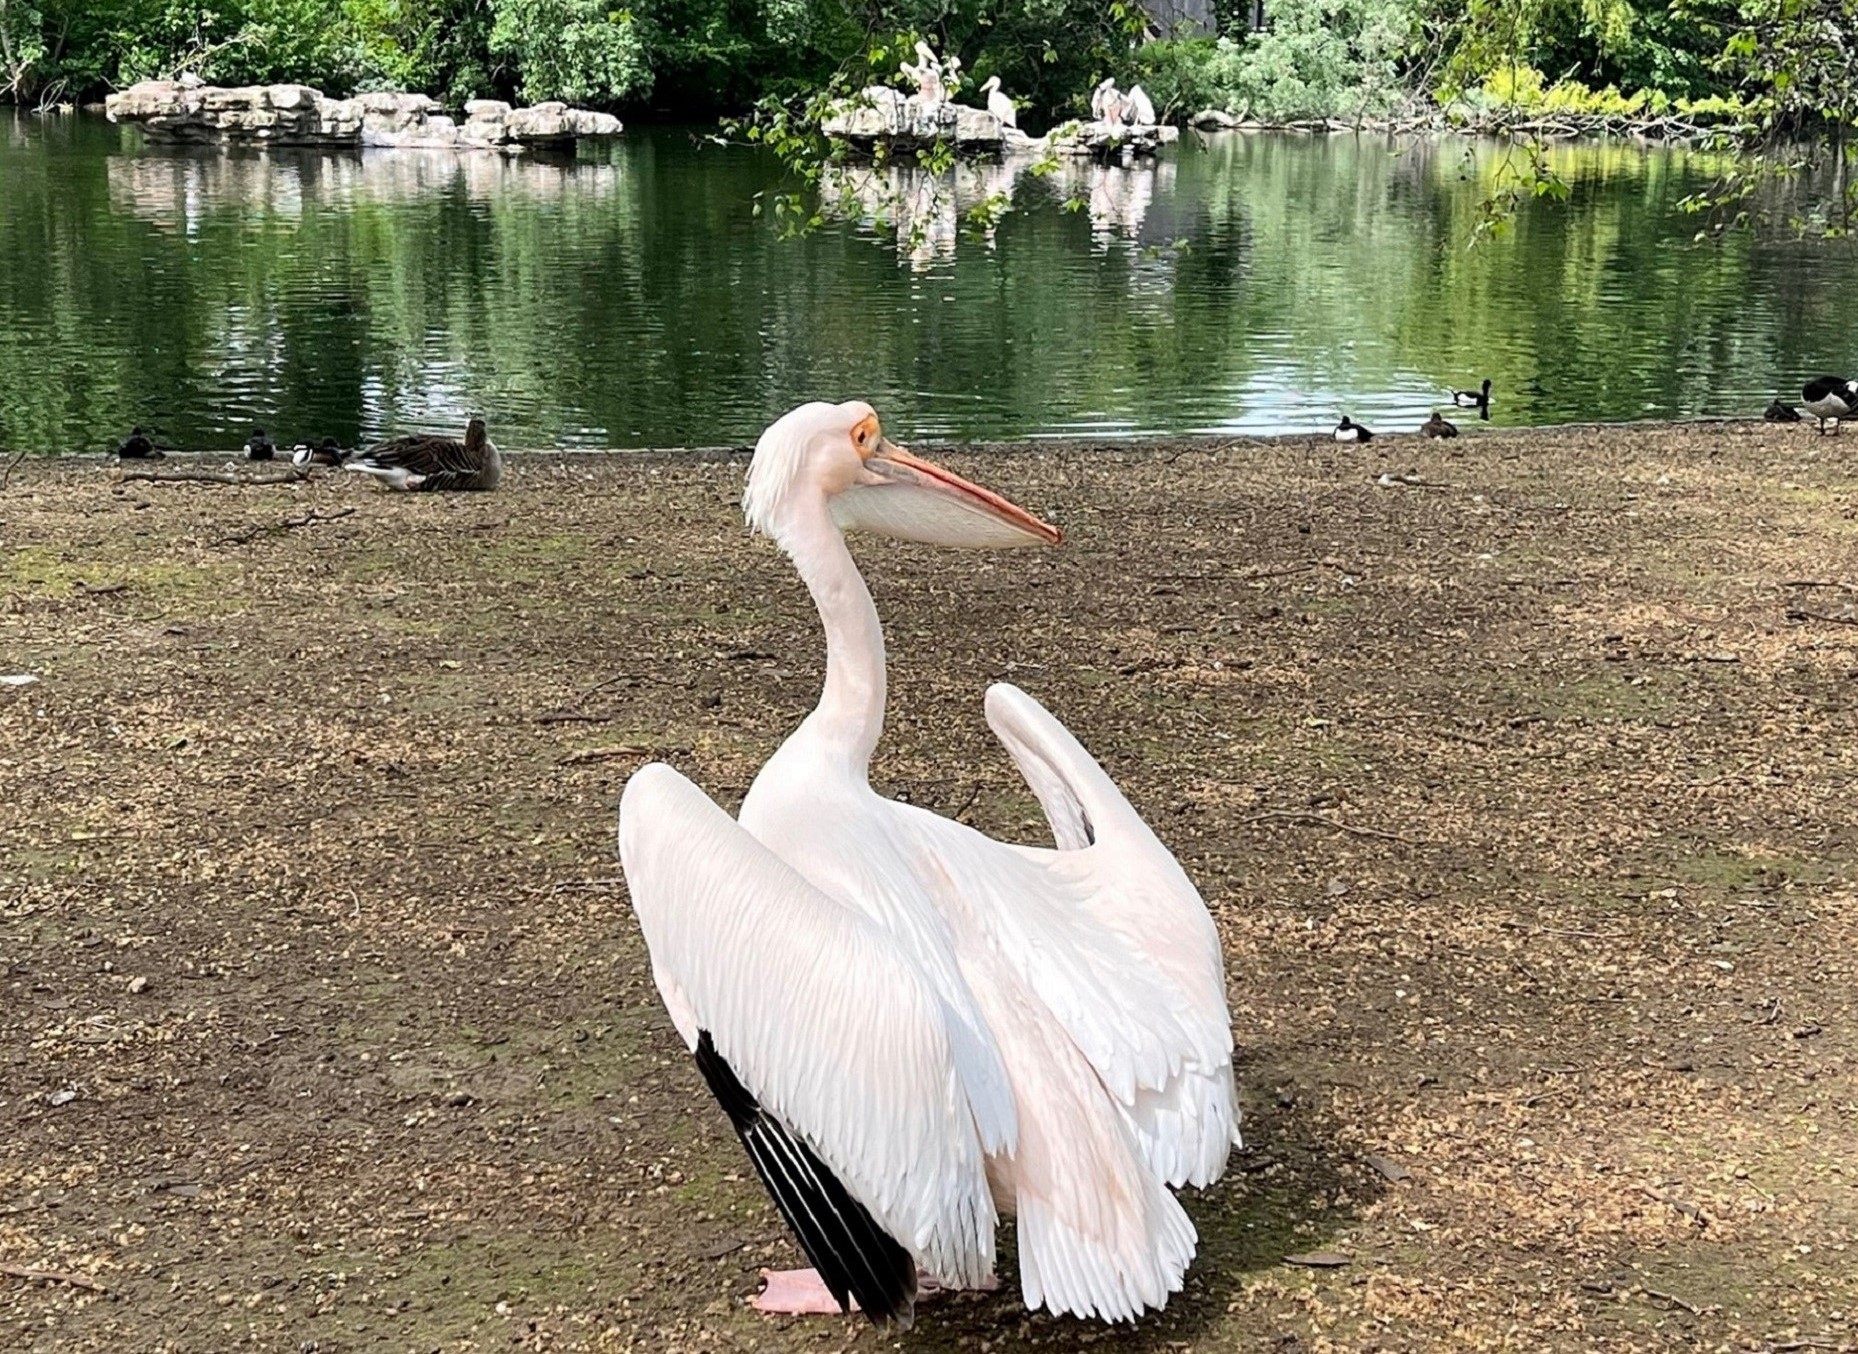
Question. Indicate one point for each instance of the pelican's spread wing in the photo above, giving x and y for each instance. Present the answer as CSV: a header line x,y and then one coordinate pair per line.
x,y
829,1051
1162,1039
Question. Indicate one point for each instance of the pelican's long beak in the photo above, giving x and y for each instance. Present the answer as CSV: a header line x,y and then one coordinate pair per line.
x,y
906,496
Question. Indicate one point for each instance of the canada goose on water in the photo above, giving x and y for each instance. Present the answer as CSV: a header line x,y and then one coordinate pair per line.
x,y
259,446
1350,431
328,452
1474,399
1830,399
1777,412
435,464
138,447
1437,426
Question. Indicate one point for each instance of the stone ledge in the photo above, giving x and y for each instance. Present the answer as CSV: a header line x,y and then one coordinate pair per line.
x,y
297,115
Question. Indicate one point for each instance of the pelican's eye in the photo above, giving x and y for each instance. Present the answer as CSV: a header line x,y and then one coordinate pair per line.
x,y
865,436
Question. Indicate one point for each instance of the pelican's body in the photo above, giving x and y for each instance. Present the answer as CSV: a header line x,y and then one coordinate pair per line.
x,y
1830,399
1107,103
1138,108
998,104
920,1028
927,73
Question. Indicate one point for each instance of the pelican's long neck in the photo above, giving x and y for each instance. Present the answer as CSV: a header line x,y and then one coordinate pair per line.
x,y
850,714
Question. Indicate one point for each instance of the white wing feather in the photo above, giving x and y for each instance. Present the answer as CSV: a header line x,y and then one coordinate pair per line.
x,y
1111,867
825,1020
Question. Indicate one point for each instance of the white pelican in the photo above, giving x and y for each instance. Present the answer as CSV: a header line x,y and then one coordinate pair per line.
x,y
998,104
1830,399
927,72
915,1028
1106,103
1138,110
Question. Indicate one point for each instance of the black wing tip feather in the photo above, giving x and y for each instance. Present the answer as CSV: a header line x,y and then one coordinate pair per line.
x,y
855,1257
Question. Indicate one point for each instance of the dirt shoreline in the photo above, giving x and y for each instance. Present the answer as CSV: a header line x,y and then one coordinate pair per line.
x,y
1521,796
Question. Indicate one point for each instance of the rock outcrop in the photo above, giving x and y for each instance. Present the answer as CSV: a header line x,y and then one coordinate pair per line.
x,y
1111,140
883,115
297,115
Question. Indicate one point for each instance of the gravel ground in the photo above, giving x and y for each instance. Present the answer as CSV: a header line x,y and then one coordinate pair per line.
x,y
1522,797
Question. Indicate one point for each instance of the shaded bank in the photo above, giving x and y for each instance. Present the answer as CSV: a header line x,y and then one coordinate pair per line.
x,y
1521,801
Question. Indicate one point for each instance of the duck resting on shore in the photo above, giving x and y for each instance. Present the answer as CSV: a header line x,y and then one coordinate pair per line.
x,y
1830,399
912,1027
259,446
327,452
434,464
1779,412
1439,426
138,446
1474,399
1350,431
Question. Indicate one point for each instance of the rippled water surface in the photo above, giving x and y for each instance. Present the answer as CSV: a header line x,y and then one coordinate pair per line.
x,y
630,297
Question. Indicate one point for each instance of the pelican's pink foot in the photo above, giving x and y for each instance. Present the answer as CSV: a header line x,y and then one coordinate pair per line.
x,y
795,1292
801,1292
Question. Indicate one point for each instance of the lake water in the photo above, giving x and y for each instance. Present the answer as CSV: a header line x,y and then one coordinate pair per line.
x,y
629,296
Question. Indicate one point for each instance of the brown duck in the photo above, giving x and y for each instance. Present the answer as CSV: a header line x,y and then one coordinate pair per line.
x,y
434,463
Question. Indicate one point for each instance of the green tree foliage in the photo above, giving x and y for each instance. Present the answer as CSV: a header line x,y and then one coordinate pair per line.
x,y
580,51
1315,58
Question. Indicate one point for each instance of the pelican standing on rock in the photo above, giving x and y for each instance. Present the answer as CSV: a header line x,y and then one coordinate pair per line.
x,y
998,104
434,464
915,1028
1106,103
1138,110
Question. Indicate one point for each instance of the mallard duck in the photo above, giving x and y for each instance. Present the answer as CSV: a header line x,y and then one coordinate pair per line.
x,y
138,447
1830,399
259,446
1350,431
1777,412
1474,399
327,452
435,464
1437,426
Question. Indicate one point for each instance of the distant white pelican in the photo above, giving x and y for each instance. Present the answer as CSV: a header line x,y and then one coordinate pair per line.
x,y
1106,103
927,72
909,1024
1137,110
998,104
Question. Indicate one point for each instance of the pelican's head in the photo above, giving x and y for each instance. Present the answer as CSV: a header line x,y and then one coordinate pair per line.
x,y
836,456
993,83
